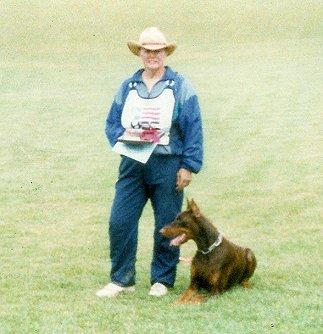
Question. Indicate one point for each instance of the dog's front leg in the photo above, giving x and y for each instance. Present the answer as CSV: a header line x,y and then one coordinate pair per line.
x,y
215,283
192,294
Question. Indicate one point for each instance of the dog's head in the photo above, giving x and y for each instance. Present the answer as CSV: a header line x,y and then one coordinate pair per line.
x,y
185,227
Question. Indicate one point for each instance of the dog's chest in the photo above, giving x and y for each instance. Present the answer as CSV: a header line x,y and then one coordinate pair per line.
x,y
201,272
202,265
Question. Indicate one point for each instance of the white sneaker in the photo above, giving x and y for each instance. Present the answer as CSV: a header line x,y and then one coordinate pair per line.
x,y
158,290
112,290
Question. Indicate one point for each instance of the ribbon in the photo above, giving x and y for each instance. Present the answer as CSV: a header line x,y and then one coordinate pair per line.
x,y
152,135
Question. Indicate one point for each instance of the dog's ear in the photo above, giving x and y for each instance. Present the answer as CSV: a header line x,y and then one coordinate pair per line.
x,y
188,203
195,209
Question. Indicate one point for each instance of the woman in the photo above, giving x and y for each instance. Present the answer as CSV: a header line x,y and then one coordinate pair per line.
x,y
155,123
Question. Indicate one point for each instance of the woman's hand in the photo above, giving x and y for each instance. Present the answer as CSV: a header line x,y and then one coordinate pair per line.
x,y
184,177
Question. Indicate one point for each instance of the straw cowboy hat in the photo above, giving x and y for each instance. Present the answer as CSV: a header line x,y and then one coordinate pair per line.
x,y
151,39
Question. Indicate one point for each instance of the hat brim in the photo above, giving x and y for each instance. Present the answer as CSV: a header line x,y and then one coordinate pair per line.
x,y
135,47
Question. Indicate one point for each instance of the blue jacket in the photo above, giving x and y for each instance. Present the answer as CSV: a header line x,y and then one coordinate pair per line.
x,y
186,138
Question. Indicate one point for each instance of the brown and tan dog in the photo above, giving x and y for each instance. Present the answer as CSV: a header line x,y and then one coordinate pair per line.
x,y
218,263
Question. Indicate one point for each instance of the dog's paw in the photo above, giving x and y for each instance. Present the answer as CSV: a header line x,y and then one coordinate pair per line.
x,y
190,300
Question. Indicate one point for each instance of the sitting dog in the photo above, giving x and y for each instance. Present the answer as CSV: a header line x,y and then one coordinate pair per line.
x,y
218,263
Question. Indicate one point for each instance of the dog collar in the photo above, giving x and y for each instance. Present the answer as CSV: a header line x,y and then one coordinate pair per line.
x,y
217,243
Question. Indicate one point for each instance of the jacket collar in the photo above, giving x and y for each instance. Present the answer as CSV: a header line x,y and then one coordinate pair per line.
x,y
168,75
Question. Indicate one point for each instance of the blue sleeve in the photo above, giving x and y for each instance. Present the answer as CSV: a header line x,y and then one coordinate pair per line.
x,y
191,126
113,127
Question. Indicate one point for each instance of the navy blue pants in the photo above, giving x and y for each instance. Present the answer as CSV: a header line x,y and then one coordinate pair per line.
x,y
137,182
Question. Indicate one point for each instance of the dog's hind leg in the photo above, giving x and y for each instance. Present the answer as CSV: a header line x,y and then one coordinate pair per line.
x,y
250,267
245,283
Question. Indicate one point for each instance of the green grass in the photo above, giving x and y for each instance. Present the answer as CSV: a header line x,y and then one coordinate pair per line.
x,y
257,69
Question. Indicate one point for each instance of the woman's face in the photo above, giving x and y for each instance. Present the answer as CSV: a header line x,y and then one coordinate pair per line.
x,y
153,59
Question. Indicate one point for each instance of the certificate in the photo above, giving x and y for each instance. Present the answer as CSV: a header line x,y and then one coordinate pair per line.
x,y
137,152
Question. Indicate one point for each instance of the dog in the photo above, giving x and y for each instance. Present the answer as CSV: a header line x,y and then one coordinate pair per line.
x,y
218,263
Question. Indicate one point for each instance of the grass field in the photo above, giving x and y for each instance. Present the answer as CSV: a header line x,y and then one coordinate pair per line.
x,y
257,68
